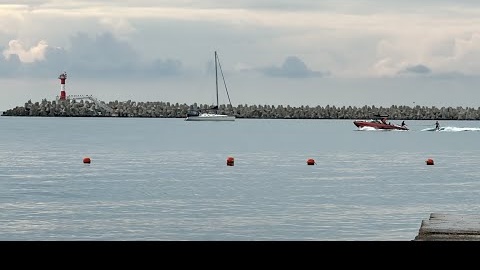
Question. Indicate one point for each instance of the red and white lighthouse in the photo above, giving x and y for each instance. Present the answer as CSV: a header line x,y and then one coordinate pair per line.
x,y
63,78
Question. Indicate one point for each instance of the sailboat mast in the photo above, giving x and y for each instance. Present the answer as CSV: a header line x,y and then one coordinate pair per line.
x,y
216,77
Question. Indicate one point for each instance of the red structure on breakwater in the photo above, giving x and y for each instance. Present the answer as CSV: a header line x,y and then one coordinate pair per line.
x,y
63,78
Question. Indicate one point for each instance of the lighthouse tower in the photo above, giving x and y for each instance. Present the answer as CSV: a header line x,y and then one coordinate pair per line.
x,y
63,77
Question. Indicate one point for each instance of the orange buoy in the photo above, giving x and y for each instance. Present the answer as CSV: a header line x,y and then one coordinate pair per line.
x,y
230,161
311,161
429,161
86,160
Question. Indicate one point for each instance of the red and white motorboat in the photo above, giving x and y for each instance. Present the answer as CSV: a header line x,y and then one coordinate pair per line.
x,y
379,124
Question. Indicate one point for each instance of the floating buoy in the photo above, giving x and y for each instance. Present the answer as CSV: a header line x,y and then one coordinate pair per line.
x,y
310,161
429,161
230,161
86,160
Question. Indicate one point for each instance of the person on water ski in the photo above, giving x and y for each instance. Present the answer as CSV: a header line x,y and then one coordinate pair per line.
x,y
437,126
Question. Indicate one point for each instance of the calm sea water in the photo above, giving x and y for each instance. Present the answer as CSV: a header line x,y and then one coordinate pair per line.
x,y
167,179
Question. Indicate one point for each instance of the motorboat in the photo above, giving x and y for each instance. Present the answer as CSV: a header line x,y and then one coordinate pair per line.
x,y
379,123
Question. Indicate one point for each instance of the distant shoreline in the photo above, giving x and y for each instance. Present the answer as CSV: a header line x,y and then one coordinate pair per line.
x,y
161,109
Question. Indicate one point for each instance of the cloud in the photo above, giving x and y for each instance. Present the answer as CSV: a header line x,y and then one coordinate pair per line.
x,y
168,67
120,27
102,53
11,67
353,39
417,69
292,67
100,56
26,55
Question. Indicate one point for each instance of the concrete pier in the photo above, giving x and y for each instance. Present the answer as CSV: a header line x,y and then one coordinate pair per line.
x,y
449,227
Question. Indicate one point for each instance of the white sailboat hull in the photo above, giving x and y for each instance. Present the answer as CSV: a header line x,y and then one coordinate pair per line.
x,y
212,114
211,117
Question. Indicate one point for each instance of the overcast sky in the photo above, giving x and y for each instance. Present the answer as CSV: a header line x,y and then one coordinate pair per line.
x,y
272,52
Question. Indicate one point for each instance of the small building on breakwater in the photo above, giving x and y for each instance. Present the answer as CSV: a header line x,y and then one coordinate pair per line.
x,y
88,106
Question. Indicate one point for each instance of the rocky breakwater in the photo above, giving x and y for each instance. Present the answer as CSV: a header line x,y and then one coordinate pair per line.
x,y
95,108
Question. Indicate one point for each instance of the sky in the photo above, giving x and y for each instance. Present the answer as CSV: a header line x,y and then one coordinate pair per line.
x,y
272,52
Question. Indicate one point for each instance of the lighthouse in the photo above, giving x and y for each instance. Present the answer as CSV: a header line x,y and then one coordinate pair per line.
x,y
63,78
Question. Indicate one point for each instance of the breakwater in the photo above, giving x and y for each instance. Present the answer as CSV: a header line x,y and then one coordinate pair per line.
x,y
95,108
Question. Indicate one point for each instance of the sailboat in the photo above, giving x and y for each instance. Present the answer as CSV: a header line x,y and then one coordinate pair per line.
x,y
212,113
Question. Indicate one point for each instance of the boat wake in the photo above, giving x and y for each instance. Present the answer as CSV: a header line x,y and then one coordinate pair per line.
x,y
452,129
376,129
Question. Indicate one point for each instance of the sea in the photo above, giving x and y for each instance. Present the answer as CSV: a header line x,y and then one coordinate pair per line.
x,y
159,179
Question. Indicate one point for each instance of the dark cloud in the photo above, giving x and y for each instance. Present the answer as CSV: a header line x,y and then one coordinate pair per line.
x,y
168,67
100,56
417,69
292,67
454,75
56,61
11,67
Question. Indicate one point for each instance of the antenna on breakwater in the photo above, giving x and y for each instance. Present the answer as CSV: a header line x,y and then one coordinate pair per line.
x,y
93,99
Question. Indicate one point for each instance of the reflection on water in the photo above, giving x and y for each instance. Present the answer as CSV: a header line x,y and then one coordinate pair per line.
x,y
167,179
